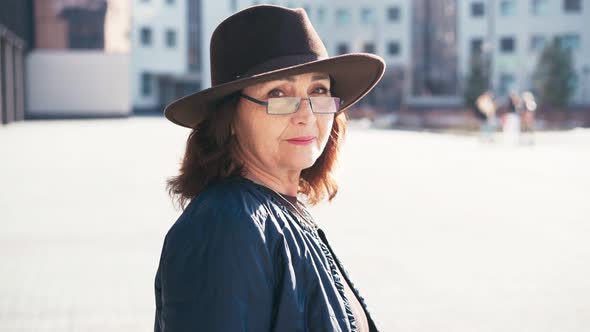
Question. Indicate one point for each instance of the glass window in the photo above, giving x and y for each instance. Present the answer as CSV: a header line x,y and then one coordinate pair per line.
x,y
539,7
146,36
538,43
84,25
170,38
569,41
393,48
393,14
367,16
506,83
508,8
507,44
146,84
369,48
476,45
342,48
572,6
342,16
170,2
477,9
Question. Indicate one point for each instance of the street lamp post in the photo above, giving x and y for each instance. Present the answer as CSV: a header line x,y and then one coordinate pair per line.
x,y
490,47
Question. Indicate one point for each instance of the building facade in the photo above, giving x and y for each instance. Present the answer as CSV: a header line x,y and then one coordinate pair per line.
x,y
166,51
16,38
417,71
514,32
434,60
426,44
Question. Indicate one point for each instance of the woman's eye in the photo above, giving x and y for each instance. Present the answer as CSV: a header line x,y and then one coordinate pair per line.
x,y
320,91
275,93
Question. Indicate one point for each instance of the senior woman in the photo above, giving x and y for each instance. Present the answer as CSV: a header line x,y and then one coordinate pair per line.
x,y
246,254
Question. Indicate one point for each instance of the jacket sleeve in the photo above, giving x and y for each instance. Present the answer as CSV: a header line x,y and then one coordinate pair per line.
x,y
216,274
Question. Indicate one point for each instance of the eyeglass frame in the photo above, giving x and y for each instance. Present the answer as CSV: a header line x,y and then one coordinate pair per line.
x,y
265,103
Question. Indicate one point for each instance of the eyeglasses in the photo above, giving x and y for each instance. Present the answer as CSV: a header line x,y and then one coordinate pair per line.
x,y
289,105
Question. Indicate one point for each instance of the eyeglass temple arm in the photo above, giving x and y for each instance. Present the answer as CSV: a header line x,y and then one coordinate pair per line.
x,y
254,100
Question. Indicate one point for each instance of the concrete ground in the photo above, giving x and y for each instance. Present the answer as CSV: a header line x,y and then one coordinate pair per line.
x,y
439,232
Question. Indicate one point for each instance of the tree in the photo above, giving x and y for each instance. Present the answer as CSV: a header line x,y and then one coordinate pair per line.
x,y
478,79
554,78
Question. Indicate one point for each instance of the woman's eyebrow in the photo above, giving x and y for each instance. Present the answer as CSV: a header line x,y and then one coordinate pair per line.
x,y
318,77
287,78
292,79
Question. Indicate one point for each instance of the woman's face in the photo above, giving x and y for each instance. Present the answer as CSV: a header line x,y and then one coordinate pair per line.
x,y
286,142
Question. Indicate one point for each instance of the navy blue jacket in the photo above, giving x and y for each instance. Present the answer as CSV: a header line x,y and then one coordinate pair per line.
x,y
239,260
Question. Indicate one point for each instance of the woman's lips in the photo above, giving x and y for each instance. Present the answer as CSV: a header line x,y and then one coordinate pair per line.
x,y
301,140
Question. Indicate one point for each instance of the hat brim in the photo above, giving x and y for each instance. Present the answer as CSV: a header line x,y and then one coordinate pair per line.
x,y
354,74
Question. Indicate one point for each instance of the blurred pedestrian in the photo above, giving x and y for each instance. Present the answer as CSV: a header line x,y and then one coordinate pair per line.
x,y
528,118
511,120
246,254
484,105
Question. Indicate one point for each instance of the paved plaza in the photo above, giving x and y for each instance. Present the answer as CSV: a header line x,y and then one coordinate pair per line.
x,y
439,232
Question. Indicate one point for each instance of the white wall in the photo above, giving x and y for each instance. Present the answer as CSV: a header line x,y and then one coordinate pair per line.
x,y
117,27
77,83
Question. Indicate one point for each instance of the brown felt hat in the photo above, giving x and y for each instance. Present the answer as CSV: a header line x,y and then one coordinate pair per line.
x,y
263,43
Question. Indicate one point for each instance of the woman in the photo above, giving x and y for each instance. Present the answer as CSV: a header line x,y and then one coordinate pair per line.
x,y
485,104
246,255
529,105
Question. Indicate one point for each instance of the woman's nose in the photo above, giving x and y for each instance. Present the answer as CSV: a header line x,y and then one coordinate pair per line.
x,y
304,112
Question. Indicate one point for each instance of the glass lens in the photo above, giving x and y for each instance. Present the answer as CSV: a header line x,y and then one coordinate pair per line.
x,y
283,105
288,105
325,104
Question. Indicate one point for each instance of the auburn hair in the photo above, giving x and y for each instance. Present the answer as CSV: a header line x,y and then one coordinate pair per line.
x,y
208,158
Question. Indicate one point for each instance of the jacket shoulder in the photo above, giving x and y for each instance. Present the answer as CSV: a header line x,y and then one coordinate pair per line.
x,y
217,271
229,207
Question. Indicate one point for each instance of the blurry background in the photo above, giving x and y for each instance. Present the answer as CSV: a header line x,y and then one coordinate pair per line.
x,y
443,221
121,57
